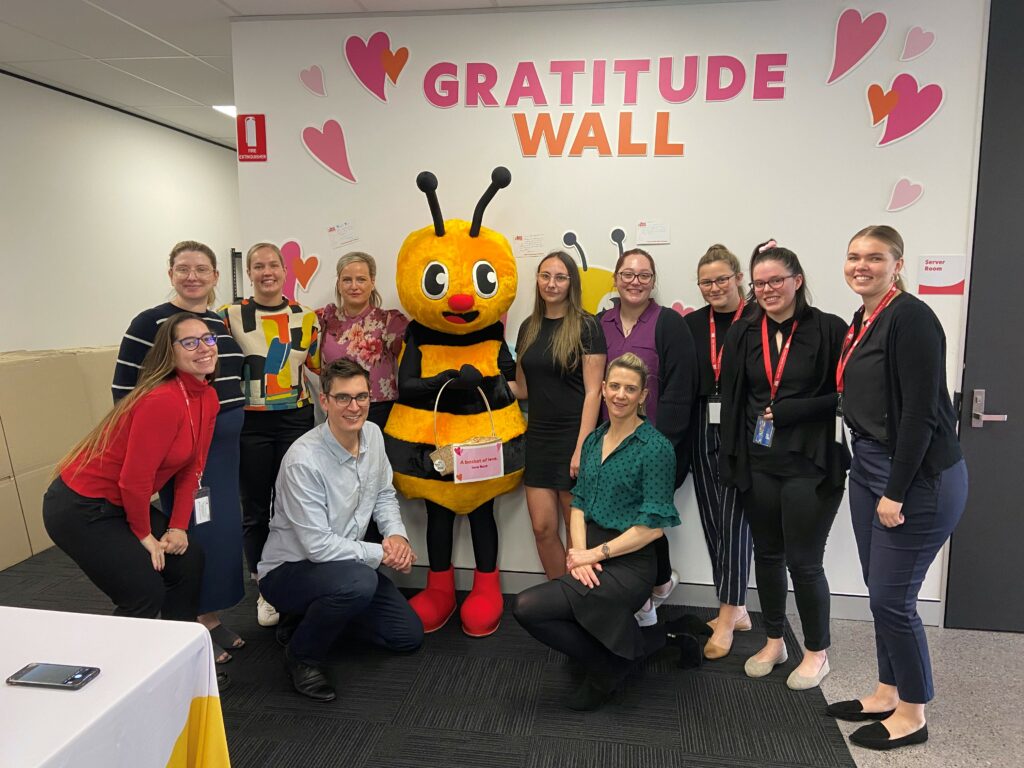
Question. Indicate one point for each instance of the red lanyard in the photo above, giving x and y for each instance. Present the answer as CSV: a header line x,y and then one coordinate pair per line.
x,y
192,429
850,343
716,355
776,377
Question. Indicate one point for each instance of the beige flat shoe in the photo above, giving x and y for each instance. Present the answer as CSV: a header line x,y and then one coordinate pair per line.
x,y
714,651
798,682
743,625
755,668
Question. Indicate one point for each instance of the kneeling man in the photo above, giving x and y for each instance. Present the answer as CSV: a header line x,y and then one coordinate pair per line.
x,y
315,564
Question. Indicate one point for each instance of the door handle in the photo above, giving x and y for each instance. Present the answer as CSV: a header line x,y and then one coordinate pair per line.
x,y
978,415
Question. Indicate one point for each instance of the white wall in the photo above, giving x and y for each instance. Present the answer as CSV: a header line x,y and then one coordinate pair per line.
x,y
91,202
805,169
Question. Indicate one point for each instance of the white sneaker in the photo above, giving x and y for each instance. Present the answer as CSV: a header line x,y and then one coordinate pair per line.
x,y
657,599
647,617
266,614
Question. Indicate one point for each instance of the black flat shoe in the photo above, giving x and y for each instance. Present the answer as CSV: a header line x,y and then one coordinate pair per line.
x,y
690,625
223,682
590,696
876,736
308,680
853,712
691,648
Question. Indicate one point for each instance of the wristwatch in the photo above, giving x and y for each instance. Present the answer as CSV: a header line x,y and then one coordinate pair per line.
x,y
605,551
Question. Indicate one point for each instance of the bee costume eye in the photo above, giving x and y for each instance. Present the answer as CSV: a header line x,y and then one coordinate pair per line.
x,y
485,279
435,280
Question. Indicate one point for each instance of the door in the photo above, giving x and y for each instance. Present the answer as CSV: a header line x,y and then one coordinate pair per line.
x,y
986,558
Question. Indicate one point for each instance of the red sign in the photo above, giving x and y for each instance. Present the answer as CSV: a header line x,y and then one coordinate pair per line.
x,y
252,138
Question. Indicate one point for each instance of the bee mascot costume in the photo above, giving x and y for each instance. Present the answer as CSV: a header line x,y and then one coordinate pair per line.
x,y
456,279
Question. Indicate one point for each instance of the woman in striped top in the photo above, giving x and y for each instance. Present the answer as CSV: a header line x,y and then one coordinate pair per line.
x,y
193,274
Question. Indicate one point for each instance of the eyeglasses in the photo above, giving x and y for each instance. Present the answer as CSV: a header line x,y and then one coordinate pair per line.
x,y
191,343
628,276
774,282
343,399
720,282
182,271
547,277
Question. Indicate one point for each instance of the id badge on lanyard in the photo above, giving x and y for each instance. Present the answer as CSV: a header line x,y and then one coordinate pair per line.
x,y
714,409
764,430
201,505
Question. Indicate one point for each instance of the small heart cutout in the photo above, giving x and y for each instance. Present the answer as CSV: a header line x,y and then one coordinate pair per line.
x,y
366,61
313,79
327,146
856,37
458,451
304,270
394,63
904,194
915,107
881,103
918,42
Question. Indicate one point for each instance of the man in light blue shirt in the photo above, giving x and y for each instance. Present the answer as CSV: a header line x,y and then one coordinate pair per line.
x,y
332,481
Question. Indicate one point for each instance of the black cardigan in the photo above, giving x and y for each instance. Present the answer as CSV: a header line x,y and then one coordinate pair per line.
x,y
811,419
920,420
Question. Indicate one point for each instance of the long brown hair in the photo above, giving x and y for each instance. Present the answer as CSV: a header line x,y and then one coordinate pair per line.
x,y
567,348
157,367
194,245
892,239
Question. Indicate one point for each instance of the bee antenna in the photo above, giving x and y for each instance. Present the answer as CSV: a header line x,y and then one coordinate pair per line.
x,y
570,240
427,183
618,235
501,177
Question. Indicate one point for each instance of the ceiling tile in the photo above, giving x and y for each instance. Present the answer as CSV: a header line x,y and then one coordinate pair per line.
x,y
223,63
16,45
81,27
186,76
406,6
297,7
201,27
102,82
201,120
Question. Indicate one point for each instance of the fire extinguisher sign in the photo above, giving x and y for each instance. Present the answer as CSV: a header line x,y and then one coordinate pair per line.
x,y
252,138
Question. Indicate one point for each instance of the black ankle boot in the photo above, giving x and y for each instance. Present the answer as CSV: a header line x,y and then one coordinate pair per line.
x,y
593,694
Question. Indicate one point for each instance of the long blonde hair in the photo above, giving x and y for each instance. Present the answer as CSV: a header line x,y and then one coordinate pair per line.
x,y
157,367
892,239
357,257
567,347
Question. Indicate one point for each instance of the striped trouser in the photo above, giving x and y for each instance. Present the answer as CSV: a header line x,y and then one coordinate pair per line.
x,y
726,530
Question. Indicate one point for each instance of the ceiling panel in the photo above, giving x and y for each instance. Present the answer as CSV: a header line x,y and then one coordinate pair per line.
x,y
188,77
81,27
296,7
201,27
405,6
223,63
102,82
17,45
201,120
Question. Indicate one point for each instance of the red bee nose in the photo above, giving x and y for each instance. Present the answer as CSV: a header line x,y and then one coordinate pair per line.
x,y
461,302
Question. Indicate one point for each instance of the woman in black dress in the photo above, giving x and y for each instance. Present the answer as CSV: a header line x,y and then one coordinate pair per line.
x,y
561,356
780,449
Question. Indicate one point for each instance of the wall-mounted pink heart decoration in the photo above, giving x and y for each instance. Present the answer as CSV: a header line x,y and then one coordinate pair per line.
x,y
914,107
313,79
367,61
918,42
856,37
904,194
327,146
681,308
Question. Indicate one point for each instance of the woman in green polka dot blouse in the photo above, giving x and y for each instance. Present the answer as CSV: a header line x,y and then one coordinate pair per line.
x,y
621,503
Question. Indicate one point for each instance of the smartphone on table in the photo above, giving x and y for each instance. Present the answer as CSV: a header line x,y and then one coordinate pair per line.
x,y
69,677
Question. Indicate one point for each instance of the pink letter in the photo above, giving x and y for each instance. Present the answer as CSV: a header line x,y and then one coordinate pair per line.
x,y
526,85
597,94
480,79
566,70
765,74
442,93
690,74
738,77
631,68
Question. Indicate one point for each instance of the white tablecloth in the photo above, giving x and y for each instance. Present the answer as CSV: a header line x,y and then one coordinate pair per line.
x,y
154,703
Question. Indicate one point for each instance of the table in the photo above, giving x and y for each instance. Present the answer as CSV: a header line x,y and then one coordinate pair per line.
x,y
154,703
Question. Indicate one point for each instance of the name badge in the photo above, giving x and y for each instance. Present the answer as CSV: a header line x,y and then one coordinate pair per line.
x,y
714,409
839,421
764,432
201,505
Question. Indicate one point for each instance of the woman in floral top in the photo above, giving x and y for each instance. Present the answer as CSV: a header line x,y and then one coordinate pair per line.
x,y
358,329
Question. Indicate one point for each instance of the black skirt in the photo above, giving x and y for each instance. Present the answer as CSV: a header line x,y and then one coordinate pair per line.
x,y
606,611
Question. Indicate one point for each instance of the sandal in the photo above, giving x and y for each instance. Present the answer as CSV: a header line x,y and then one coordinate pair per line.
x,y
220,656
225,638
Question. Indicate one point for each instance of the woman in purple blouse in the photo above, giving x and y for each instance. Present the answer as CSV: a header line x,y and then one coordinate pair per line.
x,y
660,337
358,329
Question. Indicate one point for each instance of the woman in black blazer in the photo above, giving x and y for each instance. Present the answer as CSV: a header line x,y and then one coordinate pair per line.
x,y
908,481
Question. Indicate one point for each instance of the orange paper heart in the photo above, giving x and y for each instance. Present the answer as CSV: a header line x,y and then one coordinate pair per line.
x,y
881,103
394,63
304,270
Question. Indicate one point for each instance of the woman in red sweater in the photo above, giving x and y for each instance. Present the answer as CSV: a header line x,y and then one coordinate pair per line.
x,y
97,509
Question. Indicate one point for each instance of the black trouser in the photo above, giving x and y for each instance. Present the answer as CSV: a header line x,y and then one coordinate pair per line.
x,y
482,529
95,534
790,521
266,437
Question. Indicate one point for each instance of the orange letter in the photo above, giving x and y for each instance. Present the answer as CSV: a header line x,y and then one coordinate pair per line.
x,y
591,135
626,146
543,129
662,146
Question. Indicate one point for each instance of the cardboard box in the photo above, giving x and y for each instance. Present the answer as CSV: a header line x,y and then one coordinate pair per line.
x,y
31,487
97,367
14,546
6,471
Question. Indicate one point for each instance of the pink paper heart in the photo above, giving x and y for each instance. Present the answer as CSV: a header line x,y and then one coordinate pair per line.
x,y
291,252
856,37
327,146
904,195
367,61
313,79
458,451
914,108
918,41
681,308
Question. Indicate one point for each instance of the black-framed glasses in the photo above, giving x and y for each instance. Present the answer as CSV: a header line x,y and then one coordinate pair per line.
x,y
343,399
720,282
773,282
191,343
628,276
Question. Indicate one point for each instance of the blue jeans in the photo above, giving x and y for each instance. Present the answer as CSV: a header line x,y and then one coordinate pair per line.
x,y
343,596
895,560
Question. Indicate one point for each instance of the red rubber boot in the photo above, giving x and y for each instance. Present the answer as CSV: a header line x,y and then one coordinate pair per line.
x,y
481,611
436,604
